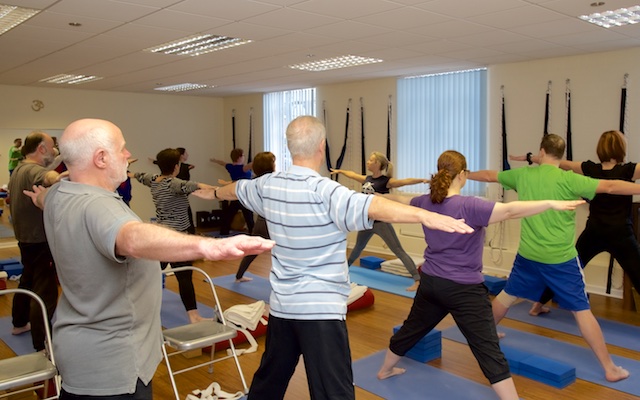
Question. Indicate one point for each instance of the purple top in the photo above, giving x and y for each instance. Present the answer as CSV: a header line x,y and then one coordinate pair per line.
x,y
456,256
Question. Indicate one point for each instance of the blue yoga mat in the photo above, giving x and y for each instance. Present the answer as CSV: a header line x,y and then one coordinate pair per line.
x,y
20,344
173,314
259,288
421,381
582,358
615,333
384,281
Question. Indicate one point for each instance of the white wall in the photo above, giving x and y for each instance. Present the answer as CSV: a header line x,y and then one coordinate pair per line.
x,y
149,123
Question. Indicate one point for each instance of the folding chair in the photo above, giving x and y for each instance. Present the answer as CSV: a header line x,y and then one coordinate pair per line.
x,y
35,368
199,335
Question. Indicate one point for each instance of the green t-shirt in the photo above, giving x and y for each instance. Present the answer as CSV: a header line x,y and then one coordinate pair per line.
x,y
548,237
15,155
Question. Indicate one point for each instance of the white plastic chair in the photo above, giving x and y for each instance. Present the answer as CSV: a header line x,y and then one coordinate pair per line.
x,y
199,335
34,368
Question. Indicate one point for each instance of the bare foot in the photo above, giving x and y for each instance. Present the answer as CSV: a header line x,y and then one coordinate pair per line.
x,y
194,316
501,335
389,373
538,308
413,287
244,279
617,374
21,330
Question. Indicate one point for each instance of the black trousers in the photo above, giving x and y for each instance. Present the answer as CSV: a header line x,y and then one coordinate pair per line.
x,y
39,276
259,229
185,279
470,307
324,345
230,211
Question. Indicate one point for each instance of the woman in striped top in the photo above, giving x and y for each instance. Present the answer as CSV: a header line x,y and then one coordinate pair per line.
x,y
171,198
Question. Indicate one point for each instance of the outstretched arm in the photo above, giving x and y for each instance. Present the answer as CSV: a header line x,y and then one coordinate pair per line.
x,y
220,162
399,198
617,187
382,209
349,174
227,192
155,242
396,183
483,176
520,209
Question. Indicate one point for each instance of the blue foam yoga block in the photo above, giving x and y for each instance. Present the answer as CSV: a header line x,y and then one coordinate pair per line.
x,y
424,356
430,341
494,284
13,269
514,357
8,261
549,369
371,262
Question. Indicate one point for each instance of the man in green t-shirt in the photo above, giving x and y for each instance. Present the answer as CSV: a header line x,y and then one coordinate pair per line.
x,y
15,155
546,255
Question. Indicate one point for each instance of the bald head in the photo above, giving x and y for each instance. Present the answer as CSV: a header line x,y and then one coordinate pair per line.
x,y
95,147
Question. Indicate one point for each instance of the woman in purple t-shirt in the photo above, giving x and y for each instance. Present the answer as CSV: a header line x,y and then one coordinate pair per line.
x,y
451,279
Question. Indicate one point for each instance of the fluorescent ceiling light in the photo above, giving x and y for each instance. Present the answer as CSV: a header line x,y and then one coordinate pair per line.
x,y
197,45
70,79
619,17
335,63
12,16
182,87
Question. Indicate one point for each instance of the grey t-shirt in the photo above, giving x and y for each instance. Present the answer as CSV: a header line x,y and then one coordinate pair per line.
x,y
107,332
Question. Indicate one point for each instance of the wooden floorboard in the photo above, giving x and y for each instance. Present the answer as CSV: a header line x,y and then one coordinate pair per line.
x,y
369,332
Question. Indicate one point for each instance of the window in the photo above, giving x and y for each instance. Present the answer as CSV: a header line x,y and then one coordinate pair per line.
x,y
438,113
280,108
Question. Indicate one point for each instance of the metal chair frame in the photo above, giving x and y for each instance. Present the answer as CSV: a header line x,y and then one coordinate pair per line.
x,y
199,335
30,368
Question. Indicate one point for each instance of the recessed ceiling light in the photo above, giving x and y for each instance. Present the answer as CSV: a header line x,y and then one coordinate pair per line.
x,y
182,87
335,63
619,17
197,45
61,79
12,16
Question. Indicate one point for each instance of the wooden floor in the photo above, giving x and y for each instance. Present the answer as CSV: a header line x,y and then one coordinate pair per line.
x,y
369,332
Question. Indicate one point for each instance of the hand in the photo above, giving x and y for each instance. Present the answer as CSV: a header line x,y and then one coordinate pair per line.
x,y
445,223
334,171
566,205
236,247
35,195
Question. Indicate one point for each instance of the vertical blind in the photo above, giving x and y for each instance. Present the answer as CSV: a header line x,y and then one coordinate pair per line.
x,y
280,108
438,113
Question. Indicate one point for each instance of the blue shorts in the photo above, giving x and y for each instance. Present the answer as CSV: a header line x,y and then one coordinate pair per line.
x,y
528,280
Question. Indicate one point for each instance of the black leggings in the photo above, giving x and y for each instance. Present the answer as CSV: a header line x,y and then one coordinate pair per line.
x,y
470,308
185,280
622,245
259,229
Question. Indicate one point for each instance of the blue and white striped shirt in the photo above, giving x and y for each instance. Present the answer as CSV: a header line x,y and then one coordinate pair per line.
x,y
308,216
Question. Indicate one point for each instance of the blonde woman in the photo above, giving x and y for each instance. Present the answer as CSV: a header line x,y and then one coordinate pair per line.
x,y
381,181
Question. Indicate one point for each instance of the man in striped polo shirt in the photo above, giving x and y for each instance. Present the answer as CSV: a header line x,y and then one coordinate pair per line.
x,y
309,217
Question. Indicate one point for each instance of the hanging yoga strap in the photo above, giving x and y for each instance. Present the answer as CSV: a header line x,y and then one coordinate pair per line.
x,y
546,109
389,115
233,126
363,162
569,141
623,113
344,145
327,150
250,133
505,153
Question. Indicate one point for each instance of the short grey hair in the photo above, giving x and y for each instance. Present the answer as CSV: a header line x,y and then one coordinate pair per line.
x,y
304,135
